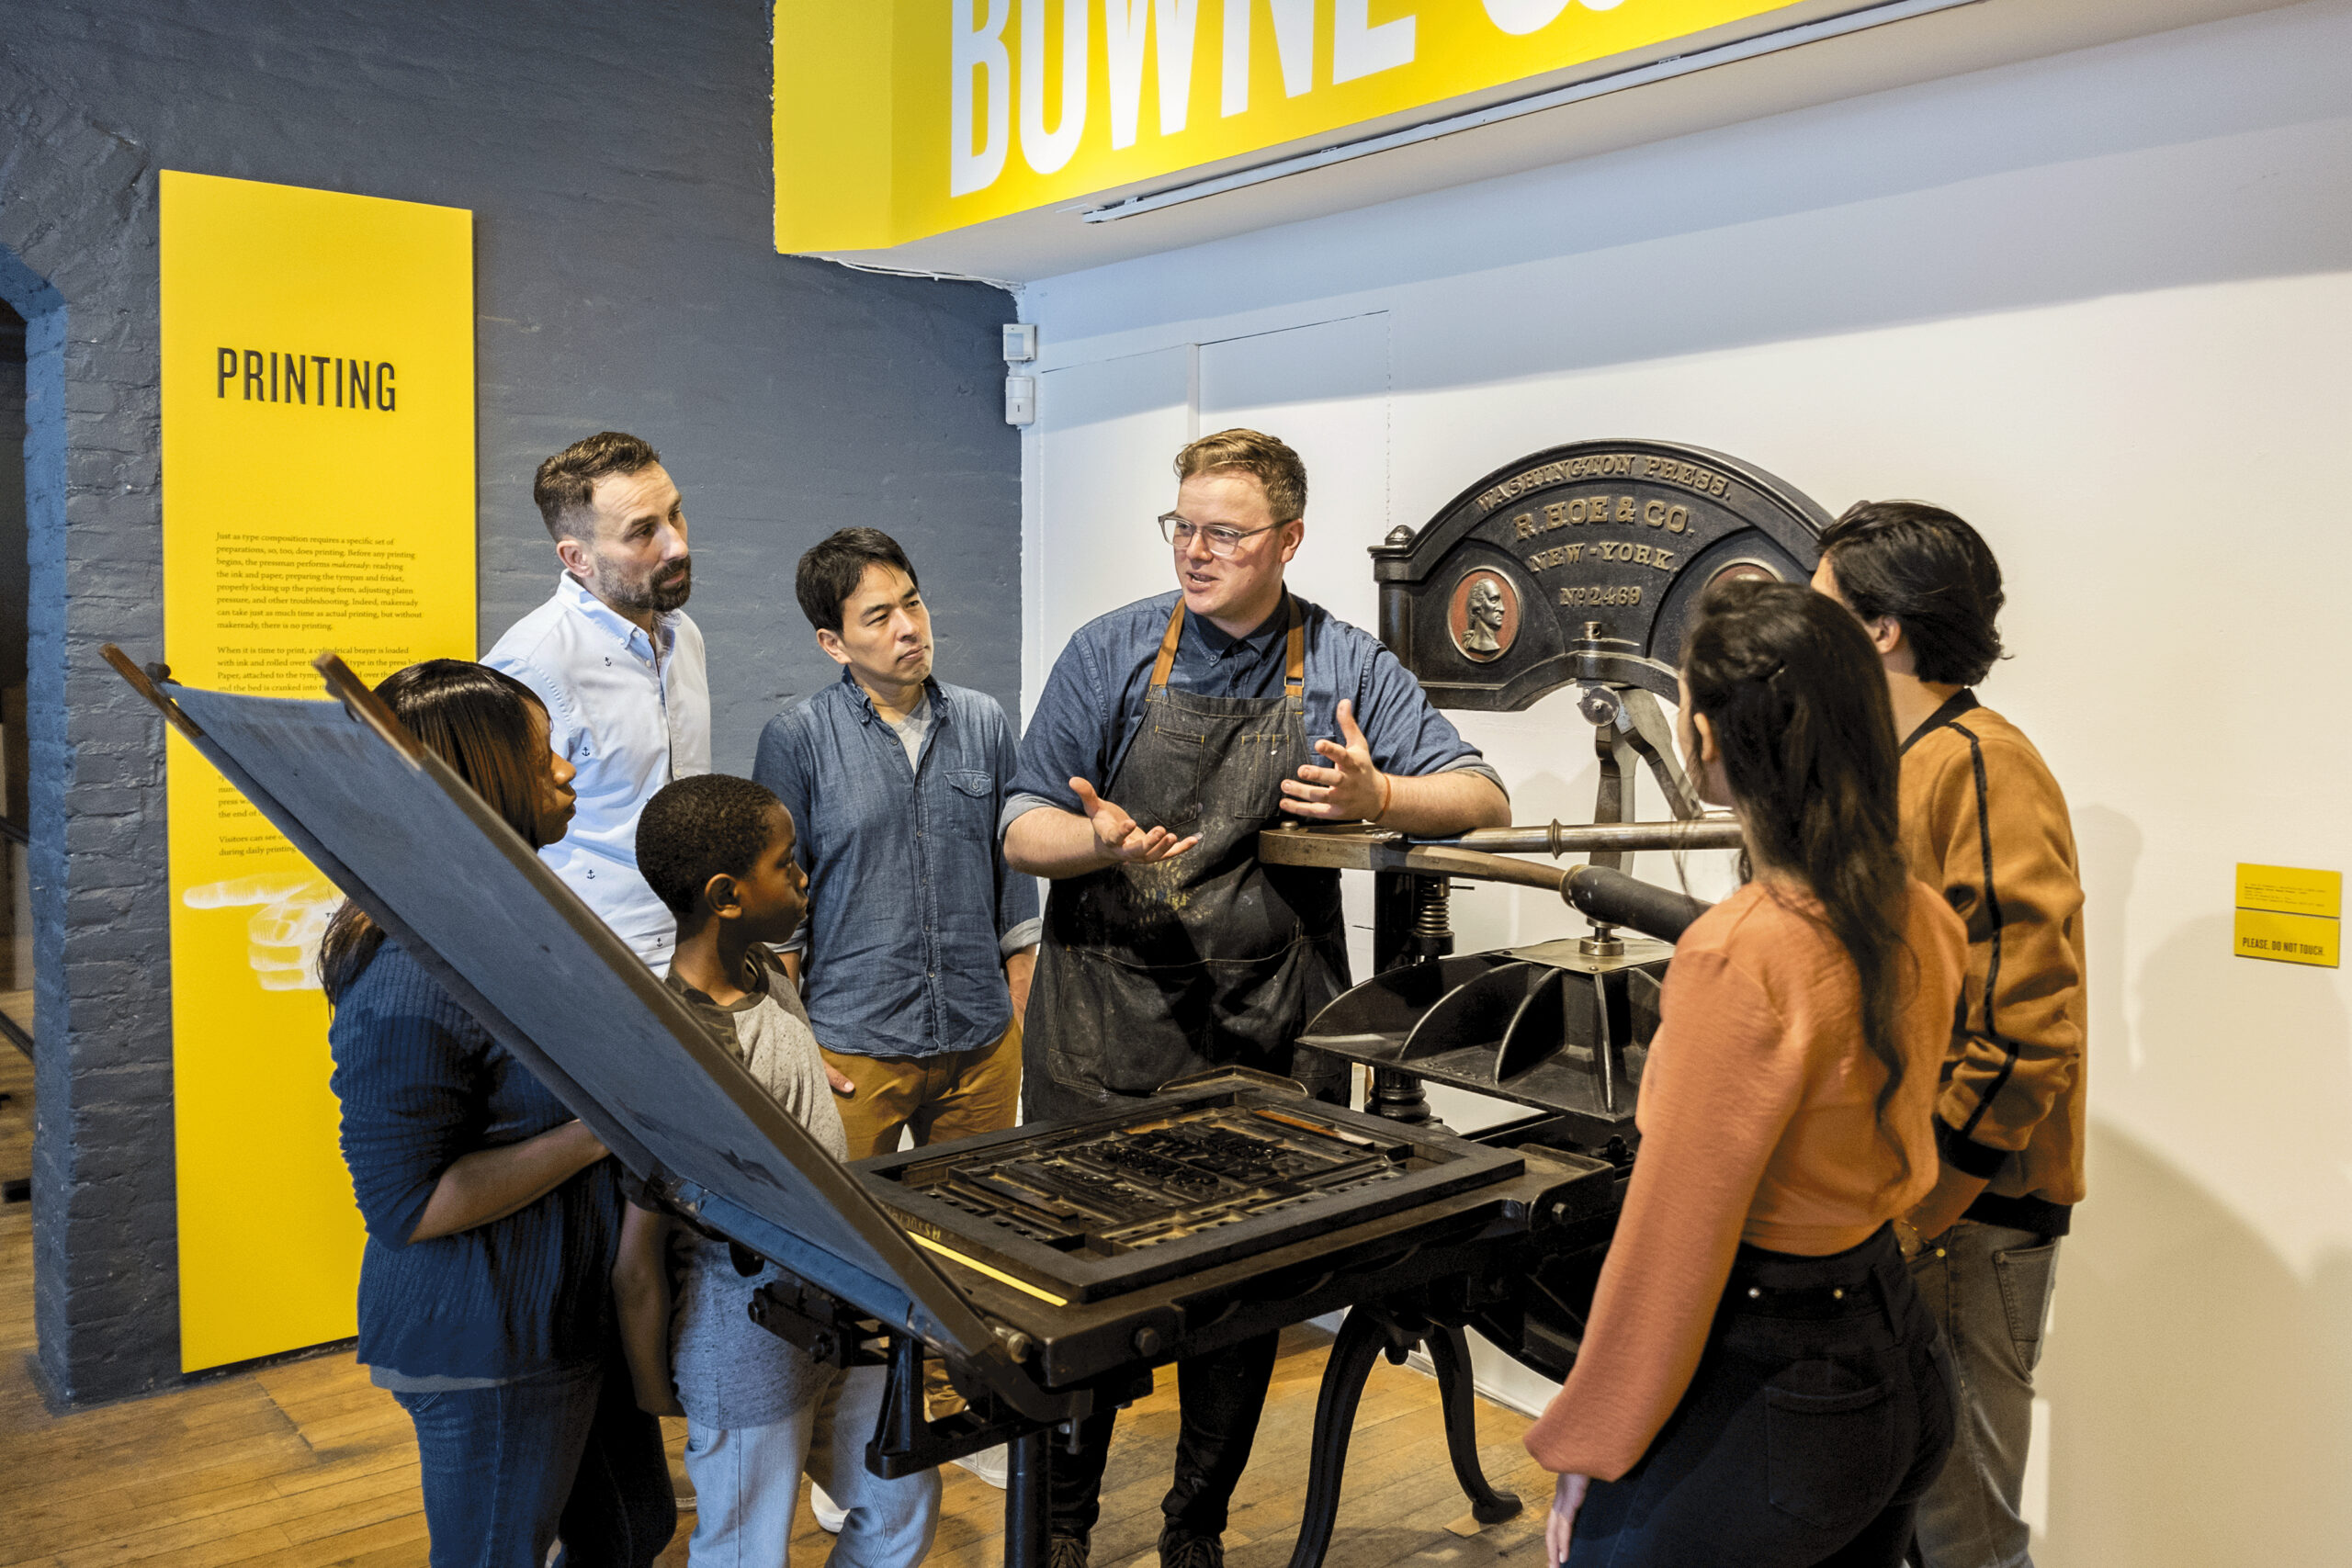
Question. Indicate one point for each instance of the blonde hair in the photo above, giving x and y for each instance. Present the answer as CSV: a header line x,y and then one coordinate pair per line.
x,y
1277,468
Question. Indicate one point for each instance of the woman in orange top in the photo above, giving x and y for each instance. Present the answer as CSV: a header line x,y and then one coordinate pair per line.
x,y
1758,1384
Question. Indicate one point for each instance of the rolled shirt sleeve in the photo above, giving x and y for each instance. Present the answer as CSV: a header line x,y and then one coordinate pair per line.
x,y
1408,735
1070,735
1018,923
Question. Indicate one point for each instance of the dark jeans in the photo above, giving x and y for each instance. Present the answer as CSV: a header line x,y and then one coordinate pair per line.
x,y
1802,1440
506,1470
1220,1396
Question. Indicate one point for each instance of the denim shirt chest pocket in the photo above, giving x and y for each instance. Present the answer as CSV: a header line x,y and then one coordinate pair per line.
x,y
971,792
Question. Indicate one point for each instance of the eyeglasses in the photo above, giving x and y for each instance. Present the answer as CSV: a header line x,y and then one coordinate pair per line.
x,y
1222,541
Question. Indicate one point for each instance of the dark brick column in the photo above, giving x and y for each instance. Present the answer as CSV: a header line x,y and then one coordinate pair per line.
x,y
77,248
615,155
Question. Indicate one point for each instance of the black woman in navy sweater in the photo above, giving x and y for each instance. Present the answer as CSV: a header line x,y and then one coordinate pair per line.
x,y
493,1215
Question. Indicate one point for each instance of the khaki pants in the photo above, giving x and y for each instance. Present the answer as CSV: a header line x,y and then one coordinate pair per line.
x,y
941,1098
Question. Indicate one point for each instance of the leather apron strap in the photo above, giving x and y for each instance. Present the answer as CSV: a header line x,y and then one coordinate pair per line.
x,y
1294,660
1167,660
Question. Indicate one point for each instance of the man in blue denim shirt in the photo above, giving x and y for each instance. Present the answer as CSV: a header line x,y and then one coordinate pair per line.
x,y
919,940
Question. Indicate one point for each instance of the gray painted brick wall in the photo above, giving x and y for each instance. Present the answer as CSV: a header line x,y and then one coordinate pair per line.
x,y
615,153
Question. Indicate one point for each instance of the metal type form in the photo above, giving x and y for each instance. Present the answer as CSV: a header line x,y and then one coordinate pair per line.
x,y
1110,1203
1237,1205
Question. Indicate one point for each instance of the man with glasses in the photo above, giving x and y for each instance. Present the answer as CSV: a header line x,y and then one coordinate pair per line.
x,y
1170,733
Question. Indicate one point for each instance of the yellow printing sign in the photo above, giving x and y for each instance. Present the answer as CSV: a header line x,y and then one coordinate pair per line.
x,y
318,444
896,119
2288,915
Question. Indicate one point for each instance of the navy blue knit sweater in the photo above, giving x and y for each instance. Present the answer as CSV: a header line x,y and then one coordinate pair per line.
x,y
422,1083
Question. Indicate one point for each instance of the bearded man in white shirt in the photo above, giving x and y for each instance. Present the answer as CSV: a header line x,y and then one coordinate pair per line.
x,y
619,666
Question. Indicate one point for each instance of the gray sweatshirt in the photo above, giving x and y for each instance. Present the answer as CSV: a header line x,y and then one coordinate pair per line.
x,y
731,1373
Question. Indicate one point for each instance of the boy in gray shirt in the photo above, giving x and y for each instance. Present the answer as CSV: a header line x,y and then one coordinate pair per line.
x,y
759,1411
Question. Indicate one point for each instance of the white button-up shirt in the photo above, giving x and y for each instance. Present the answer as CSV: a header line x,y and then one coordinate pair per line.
x,y
630,713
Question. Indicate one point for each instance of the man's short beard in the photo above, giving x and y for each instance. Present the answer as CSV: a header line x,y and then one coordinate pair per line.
x,y
653,594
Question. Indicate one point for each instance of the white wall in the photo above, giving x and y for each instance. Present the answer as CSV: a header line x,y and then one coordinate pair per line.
x,y
2101,305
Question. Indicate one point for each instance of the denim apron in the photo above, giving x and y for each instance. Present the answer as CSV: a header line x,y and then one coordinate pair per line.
x,y
1210,959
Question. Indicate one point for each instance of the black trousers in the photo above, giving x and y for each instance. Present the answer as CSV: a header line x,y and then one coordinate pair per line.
x,y
1809,1432
1220,1396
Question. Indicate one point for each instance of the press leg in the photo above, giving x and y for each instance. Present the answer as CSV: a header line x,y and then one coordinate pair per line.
x,y
1024,1501
1361,1340
901,1428
1450,1354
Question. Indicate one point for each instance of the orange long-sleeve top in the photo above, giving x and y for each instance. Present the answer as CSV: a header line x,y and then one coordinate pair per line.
x,y
1759,1124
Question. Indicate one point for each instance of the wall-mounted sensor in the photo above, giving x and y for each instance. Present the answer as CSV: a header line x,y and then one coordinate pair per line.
x,y
1019,395
1019,343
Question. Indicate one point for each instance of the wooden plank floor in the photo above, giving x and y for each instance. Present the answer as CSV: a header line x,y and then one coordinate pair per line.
x,y
16,1084
307,1464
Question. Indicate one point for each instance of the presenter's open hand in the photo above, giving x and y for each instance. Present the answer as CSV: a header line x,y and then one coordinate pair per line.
x,y
1117,835
1350,790
1568,1496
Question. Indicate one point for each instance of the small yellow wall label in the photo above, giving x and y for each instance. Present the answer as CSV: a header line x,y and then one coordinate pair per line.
x,y
2288,915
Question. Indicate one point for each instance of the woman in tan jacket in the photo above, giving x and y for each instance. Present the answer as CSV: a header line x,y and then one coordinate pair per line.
x,y
1759,1383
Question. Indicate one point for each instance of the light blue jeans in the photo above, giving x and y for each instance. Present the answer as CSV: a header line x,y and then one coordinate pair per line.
x,y
1988,1287
747,1482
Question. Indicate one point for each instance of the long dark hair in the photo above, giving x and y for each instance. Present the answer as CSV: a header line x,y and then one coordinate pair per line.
x,y
1797,700
486,725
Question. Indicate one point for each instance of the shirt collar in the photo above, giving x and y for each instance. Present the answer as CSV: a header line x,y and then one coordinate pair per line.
x,y
865,705
609,620
1959,703
1255,643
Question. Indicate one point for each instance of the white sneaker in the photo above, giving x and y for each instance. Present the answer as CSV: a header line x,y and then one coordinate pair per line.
x,y
989,1464
829,1514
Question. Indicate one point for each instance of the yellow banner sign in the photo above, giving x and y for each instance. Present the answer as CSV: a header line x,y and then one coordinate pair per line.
x,y
2288,915
900,118
318,440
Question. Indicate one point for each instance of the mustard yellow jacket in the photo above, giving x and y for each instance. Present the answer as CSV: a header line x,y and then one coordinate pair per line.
x,y
1984,822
